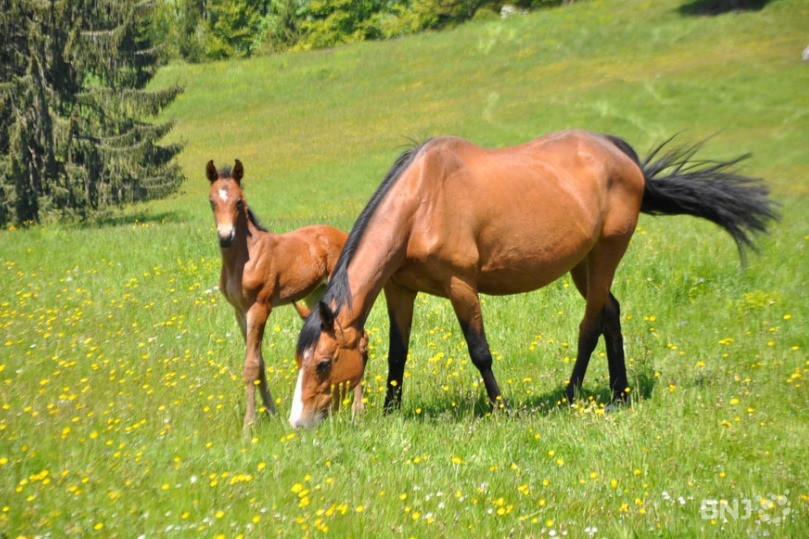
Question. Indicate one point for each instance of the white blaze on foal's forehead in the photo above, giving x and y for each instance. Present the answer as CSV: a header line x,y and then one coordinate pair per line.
x,y
223,194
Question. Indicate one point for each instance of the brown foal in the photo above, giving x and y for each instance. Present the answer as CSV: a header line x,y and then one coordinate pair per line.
x,y
262,270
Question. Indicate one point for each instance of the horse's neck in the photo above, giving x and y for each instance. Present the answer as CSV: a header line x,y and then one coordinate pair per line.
x,y
380,254
247,238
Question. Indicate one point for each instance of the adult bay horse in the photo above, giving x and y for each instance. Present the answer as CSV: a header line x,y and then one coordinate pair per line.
x,y
454,220
262,270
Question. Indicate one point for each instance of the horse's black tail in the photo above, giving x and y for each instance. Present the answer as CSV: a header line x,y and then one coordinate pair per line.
x,y
678,184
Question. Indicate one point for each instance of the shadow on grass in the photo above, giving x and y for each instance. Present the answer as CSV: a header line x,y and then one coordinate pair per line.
x,y
139,218
701,8
460,408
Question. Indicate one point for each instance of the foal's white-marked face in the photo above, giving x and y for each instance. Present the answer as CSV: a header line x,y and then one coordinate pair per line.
x,y
227,201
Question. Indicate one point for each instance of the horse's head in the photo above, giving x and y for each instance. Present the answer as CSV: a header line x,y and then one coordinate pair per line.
x,y
227,199
331,361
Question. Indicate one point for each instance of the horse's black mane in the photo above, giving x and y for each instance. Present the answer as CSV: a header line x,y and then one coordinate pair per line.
x,y
337,292
225,171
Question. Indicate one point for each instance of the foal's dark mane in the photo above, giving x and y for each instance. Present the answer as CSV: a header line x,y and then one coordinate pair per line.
x,y
253,219
337,292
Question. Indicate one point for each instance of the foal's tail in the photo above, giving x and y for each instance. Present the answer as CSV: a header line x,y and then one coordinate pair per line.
x,y
677,184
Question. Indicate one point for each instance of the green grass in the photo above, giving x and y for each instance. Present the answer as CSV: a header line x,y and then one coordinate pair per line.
x,y
120,365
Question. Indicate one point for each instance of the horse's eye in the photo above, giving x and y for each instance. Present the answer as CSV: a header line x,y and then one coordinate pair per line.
x,y
323,366
240,205
211,202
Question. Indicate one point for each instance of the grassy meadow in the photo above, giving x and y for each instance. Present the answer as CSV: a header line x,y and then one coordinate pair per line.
x,y
120,363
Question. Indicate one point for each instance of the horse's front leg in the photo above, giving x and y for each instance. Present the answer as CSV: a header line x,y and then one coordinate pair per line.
x,y
254,372
400,312
466,303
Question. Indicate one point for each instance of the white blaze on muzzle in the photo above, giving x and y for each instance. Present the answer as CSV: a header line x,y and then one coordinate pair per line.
x,y
296,413
225,231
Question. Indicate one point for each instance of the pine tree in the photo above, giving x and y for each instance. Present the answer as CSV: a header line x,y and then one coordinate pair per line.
x,y
113,143
75,128
35,81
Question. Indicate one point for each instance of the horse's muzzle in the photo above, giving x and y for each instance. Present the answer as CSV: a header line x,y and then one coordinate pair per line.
x,y
227,240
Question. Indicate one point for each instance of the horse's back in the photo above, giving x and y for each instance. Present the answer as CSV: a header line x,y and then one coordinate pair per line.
x,y
522,216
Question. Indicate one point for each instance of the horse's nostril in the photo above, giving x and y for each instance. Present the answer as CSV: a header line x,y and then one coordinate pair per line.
x,y
227,240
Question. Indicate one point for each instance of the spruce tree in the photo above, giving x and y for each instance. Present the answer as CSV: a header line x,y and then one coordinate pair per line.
x,y
113,142
76,128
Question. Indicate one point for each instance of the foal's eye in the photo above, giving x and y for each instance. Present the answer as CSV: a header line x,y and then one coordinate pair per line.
x,y
323,366
240,205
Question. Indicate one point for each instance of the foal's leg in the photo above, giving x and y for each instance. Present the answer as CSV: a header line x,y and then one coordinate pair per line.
x,y
400,312
357,407
465,301
254,373
303,310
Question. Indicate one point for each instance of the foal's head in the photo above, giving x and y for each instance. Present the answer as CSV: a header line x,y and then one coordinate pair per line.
x,y
331,361
227,200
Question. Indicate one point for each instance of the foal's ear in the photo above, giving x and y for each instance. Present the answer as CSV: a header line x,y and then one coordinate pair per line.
x,y
326,316
238,171
210,171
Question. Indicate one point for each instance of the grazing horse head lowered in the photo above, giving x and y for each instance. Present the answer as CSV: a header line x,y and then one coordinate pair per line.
x,y
262,270
454,220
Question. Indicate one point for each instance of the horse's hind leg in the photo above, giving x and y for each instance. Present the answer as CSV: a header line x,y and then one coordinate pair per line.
x,y
400,312
465,301
593,279
615,348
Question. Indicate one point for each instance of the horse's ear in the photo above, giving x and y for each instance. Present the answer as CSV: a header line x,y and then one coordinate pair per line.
x,y
238,171
326,316
210,171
